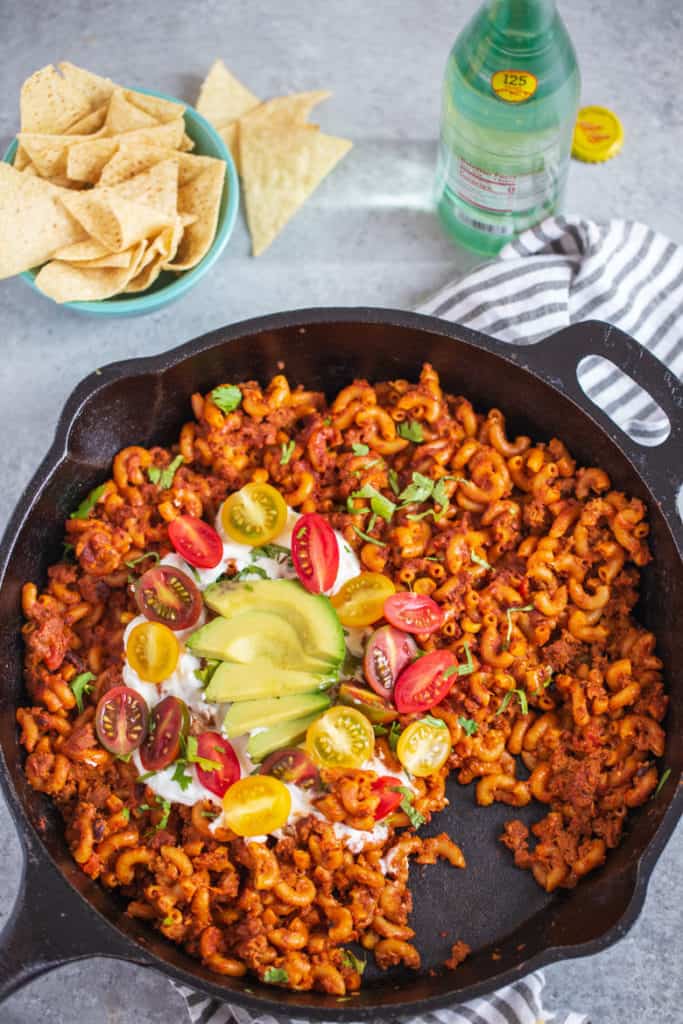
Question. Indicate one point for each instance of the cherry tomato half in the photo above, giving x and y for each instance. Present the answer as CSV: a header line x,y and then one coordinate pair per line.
x,y
291,765
360,602
413,613
425,683
152,651
423,748
389,799
196,541
388,652
215,747
256,805
315,553
254,515
341,738
167,595
121,720
168,727
375,709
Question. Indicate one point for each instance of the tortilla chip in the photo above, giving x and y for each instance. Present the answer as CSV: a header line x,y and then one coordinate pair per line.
x,y
222,97
87,160
66,282
95,89
131,160
124,116
91,123
50,103
200,197
49,153
116,222
156,259
154,106
32,216
156,187
283,110
21,158
92,254
229,134
282,164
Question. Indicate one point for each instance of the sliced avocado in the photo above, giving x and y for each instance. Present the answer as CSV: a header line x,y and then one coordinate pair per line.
x,y
231,682
254,636
256,714
284,734
311,615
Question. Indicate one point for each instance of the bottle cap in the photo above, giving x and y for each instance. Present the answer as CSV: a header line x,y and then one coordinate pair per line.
x,y
598,135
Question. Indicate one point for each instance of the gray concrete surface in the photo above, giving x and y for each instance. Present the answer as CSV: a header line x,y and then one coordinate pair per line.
x,y
368,236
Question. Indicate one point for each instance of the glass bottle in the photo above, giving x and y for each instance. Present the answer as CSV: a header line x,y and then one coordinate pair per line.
x,y
510,98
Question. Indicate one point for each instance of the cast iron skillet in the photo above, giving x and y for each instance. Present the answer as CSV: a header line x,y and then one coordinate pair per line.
x,y
512,926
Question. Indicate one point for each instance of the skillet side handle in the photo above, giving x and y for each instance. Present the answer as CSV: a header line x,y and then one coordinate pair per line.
x,y
49,926
556,359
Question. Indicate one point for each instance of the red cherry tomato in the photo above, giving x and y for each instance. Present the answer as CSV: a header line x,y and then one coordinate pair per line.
x,y
167,595
315,553
389,800
168,726
425,683
414,613
121,720
215,747
388,652
291,765
196,541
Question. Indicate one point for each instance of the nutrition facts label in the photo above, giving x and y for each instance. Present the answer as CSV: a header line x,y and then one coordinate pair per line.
x,y
499,193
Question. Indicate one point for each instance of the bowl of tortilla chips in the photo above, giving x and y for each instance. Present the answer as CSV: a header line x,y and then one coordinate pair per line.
x,y
118,201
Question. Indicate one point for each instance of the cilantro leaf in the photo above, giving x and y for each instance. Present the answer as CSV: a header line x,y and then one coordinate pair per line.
x,y
416,819
205,763
146,554
380,505
353,962
394,734
273,975
379,729
275,551
227,397
80,685
478,560
88,503
287,452
510,695
205,673
468,725
662,780
436,723
167,922
420,489
181,776
468,668
251,570
360,449
411,430
393,481
508,635
439,495
368,538
125,814
163,478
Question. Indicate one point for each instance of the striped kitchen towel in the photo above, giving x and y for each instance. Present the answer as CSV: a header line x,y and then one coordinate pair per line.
x,y
565,270
569,269
518,1004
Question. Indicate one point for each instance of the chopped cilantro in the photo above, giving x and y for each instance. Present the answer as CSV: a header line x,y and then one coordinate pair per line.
x,y
380,505
167,922
274,975
369,539
353,962
125,814
379,729
205,763
416,819
411,431
135,561
394,734
478,560
205,673
251,570
420,489
436,723
662,780
145,776
163,478
468,668
275,551
439,494
68,551
393,481
88,503
508,635
468,725
360,449
212,815
181,776
510,695
287,451
227,397
80,685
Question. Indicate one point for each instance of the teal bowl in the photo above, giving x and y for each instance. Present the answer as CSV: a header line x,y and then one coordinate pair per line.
x,y
168,286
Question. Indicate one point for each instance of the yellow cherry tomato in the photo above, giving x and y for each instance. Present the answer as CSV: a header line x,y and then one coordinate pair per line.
x,y
254,515
360,602
152,651
422,747
256,805
341,738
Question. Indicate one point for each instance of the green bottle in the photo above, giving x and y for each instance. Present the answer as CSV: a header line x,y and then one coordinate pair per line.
x,y
510,98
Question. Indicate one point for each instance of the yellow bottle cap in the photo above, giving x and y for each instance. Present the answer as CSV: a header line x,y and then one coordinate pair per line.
x,y
598,135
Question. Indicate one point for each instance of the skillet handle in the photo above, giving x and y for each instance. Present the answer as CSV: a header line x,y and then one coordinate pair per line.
x,y
51,925
556,359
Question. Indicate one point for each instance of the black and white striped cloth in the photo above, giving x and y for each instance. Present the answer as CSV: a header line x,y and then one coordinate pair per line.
x,y
565,270
518,1004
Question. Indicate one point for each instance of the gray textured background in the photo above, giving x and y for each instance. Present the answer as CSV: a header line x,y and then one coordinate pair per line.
x,y
368,236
